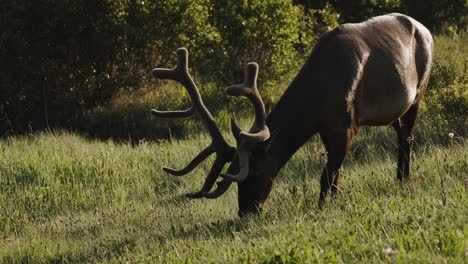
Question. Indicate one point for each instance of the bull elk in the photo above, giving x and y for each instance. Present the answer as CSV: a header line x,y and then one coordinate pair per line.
x,y
372,73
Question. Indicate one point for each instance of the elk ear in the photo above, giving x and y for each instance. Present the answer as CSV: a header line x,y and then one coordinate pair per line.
x,y
267,143
235,130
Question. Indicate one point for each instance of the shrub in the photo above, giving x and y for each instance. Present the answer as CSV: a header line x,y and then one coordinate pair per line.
x,y
448,108
263,31
439,15
61,58
57,58
446,100
358,11
155,29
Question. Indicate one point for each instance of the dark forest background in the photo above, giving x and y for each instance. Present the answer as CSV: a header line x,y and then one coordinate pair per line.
x,y
70,64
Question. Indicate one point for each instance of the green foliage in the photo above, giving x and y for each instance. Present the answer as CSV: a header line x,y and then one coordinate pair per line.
x,y
446,99
57,57
437,15
62,58
448,107
154,30
274,33
314,23
441,15
357,11
262,31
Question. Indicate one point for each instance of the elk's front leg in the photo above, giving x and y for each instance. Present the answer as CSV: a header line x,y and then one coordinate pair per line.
x,y
337,145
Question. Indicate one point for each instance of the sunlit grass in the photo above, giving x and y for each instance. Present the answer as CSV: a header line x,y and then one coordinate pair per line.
x,y
65,198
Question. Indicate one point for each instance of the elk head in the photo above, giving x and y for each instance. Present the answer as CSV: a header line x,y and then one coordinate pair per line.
x,y
253,188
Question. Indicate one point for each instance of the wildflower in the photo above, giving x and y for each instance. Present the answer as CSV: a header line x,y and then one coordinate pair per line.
x,y
389,251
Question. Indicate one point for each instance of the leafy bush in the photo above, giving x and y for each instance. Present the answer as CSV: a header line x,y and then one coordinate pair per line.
x,y
57,58
155,29
448,108
358,11
440,15
437,15
263,31
61,58
447,95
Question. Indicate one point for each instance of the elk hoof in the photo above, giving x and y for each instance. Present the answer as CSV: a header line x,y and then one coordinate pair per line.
x,y
321,203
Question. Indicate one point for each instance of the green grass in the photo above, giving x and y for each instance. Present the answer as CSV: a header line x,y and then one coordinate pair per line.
x,y
64,198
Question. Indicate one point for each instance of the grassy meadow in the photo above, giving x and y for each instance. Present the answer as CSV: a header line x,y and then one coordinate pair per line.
x,y
65,197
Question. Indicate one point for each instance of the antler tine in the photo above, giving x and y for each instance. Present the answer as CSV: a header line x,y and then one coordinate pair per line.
x,y
221,188
244,156
224,152
259,131
179,71
210,179
174,114
193,164
180,74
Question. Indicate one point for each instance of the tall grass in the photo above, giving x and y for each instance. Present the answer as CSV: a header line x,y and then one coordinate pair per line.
x,y
64,198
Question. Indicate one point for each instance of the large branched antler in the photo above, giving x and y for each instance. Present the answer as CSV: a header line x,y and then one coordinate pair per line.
x,y
224,152
259,131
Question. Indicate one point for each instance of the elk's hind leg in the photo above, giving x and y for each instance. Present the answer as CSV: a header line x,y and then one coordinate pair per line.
x,y
337,145
404,128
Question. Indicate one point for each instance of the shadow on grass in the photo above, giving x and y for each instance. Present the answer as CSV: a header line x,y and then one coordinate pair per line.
x,y
134,122
219,229
130,124
174,199
100,251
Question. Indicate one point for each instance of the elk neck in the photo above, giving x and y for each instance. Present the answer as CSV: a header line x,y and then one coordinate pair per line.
x,y
295,118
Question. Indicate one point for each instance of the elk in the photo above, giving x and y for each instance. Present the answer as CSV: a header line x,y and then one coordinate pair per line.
x,y
372,73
